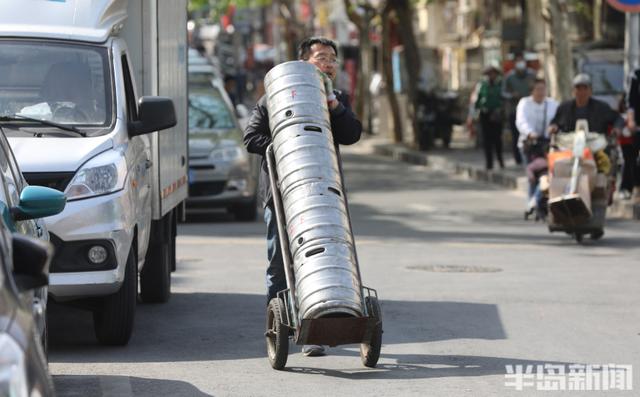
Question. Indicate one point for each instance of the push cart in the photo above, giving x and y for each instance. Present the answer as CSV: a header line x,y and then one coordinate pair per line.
x,y
283,316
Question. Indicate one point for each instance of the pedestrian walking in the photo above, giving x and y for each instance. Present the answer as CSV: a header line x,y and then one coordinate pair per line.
x,y
517,84
346,129
489,104
631,171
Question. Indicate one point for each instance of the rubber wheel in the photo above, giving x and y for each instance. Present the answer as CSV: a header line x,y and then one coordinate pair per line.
x,y
277,335
113,319
370,352
155,277
245,212
172,247
597,235
579,237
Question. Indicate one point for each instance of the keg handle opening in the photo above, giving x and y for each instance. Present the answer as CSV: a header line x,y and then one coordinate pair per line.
x,y
314,251
312,128
335,191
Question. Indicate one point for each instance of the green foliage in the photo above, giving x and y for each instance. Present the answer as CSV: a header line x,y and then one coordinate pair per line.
x,y
584,8
219,7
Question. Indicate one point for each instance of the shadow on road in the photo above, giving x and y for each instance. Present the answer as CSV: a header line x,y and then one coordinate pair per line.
x,y
424,366
196,327
124,386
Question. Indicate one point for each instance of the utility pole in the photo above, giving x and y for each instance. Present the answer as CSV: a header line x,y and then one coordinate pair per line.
x,y
631,43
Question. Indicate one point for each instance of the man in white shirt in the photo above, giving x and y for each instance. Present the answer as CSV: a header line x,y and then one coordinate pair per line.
x,y
533,115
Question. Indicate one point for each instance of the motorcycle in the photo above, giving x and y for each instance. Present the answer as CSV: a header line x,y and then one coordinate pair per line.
x,y
580,178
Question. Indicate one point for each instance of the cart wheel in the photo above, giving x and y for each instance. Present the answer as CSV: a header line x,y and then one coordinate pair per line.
x,y
370,352
578,237
597,235
277,334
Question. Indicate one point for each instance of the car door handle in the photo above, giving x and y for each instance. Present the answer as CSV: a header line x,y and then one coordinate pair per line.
x,y
39,231
148,164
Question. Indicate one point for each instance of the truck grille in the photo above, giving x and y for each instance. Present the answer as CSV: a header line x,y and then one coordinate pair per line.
x,y
206,189
54,180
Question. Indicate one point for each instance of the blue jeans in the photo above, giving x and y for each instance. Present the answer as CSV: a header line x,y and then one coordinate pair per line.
x,y
276,278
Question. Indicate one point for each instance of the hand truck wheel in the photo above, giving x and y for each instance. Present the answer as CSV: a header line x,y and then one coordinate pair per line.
x,y
277,335
370,352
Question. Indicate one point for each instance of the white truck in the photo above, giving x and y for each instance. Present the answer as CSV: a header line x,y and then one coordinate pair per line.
x,y
71,72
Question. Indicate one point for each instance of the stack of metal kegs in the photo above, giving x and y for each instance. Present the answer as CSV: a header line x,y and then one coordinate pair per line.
x,y
317,221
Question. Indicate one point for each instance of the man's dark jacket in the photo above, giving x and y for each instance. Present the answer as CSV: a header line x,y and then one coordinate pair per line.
x,y
345,127
600,116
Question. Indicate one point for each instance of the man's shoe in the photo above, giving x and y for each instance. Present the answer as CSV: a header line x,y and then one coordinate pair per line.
x,y
313,350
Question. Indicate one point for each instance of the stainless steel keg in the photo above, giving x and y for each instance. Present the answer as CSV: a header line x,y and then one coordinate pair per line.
x,y
317,221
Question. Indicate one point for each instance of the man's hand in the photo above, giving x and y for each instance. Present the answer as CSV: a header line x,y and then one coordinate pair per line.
x,y
332,101
552,129
472,131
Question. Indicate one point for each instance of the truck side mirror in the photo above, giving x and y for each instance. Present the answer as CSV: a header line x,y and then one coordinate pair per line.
x,y
154,114
31,260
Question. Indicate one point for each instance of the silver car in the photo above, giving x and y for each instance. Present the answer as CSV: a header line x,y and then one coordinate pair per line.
x,y
221,172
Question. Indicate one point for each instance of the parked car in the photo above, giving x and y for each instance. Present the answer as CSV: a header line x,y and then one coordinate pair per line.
x,y
24,266
24,274
221,172
605,66
16,197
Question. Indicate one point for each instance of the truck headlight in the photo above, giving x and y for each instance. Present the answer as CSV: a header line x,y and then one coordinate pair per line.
x,y
13,373
106,173
226,154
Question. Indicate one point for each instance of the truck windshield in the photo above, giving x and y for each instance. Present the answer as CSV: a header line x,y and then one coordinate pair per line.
x,y
63,83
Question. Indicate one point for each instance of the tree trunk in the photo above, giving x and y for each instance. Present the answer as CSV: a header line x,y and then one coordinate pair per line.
x,y
404,11
560,61
388,76
534,29
365,65
597,20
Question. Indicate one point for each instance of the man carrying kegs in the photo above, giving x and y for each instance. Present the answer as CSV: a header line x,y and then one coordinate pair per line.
x,y
346,129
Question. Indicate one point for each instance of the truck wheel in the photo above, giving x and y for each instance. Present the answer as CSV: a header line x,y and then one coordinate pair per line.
x,y
370,352
113,319
245,212
155,278
174,234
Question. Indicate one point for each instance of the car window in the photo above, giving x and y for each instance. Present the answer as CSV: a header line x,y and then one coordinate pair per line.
x,y
208,109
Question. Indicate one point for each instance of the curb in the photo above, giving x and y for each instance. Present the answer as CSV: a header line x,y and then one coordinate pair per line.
x,y
402,153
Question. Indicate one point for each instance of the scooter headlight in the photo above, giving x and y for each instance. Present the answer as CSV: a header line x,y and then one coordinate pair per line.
x,y
13,373
104,174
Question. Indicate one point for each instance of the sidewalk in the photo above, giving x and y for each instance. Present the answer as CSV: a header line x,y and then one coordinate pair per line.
x,y
464,159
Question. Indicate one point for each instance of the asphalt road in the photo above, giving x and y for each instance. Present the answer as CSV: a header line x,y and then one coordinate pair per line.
x,y
467,288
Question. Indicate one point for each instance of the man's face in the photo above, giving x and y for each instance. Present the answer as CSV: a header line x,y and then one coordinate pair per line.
x,y
539,92
582,92
325,59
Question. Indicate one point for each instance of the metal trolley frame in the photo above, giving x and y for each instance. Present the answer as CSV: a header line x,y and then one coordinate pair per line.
x,y
282,312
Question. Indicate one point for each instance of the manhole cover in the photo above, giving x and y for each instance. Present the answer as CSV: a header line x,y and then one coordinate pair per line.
x,y
455,269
